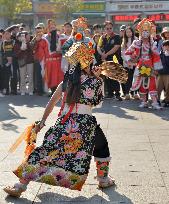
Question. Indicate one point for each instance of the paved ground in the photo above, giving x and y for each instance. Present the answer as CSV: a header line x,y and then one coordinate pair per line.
x,y
139,144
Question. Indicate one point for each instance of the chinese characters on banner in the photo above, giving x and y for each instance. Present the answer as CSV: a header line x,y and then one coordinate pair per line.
x,y
93,7
140,6
155,17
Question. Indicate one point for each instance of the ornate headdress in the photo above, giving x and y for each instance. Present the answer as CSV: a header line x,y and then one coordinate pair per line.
x,y
80,23
146,25
82,50
80,53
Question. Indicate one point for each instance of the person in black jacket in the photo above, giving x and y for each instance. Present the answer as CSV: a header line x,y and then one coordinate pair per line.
x,y
109,46
7,57
163,77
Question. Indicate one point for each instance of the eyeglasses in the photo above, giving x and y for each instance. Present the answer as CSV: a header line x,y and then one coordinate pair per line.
x,y
109,28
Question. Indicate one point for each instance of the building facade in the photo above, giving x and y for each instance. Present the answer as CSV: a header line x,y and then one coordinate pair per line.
x,y
126,11
94,11
42,10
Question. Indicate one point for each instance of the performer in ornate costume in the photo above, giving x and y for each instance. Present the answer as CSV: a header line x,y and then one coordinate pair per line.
x,y
64,157
144,54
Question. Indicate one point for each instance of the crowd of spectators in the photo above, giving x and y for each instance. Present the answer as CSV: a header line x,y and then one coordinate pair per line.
x,y
22,55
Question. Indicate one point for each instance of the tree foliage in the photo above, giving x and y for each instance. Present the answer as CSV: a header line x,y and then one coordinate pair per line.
x,y
10,8
67,7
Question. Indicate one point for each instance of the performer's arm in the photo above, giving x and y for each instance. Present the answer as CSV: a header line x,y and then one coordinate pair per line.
x,y
132,53
65,47
55,98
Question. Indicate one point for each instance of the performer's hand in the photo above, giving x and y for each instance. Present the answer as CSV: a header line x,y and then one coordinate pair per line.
x,y
39,126
96,71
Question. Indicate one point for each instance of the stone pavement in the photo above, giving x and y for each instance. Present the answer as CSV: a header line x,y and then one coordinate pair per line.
x,y
139,145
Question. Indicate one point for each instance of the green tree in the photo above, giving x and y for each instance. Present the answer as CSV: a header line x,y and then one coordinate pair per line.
x,y
67,7
10,8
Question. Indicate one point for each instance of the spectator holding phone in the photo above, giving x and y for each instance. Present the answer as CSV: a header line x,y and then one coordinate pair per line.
x,y
24,53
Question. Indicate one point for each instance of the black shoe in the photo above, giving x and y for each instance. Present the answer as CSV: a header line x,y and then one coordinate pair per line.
x,y
119,98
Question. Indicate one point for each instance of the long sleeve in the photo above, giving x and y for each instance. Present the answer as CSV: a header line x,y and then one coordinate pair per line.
x,y
67,45
132,53
131,49
17,50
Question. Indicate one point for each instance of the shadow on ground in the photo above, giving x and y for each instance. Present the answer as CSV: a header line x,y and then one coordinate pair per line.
x,y
7,106
27,101
50,198
119,109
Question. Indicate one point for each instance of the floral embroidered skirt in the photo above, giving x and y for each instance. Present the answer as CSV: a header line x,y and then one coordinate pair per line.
x,y
64,157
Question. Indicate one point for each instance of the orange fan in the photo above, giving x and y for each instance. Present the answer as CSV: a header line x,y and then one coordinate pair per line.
x,y
29,135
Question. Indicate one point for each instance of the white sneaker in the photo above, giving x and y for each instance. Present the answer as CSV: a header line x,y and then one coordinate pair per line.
x,y
143,105
22,94
156,106
30,94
